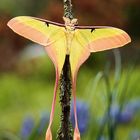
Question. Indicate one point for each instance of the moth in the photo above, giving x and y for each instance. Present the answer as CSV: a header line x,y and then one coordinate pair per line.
x,y
70,39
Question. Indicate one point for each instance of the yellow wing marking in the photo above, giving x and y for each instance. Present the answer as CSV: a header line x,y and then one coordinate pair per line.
x,y
104,38
35,30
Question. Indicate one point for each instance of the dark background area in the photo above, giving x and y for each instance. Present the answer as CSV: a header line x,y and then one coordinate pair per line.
x,y
122,14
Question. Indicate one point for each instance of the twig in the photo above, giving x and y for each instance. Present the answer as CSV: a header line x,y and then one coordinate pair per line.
x,y
65,129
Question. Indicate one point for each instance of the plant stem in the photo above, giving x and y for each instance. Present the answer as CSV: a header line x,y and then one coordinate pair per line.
x,y
68,9
65,129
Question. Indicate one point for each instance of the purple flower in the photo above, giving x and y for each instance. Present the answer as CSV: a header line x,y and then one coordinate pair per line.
x,y
133,105
44,119
129,111
82,115
121,116
27,128
125,115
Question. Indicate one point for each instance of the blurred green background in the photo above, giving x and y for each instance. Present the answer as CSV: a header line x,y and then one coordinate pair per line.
x,y
27,75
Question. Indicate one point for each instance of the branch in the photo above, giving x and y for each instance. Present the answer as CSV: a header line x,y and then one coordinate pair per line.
x,y
68,9
65,129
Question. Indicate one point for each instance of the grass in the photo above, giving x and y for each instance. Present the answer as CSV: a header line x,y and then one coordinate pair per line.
x,y
30,92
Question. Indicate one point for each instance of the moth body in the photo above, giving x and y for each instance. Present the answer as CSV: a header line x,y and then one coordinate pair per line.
x,y
69,32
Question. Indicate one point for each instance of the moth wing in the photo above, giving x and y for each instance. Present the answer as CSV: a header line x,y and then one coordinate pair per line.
x,y
78,52
37,30
57,51
44,32
100,38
